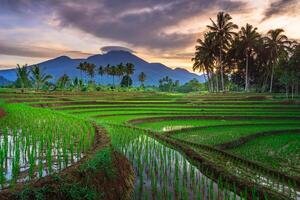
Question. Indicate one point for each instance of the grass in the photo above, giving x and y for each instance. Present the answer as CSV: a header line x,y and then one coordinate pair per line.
x,y
101,161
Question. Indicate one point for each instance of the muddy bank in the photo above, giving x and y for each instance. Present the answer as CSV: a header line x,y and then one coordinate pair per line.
x,y
118,186
2,112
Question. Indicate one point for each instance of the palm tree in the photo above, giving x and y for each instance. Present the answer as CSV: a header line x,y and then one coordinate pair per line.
x,y
204,58
120,70
222,32
249,38
22,74
90,70
82,68
142,78
101,71
63,80
129,70
38,77
112,71
277,44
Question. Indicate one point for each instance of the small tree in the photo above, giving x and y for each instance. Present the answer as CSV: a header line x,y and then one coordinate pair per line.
x,y
90,70
126,81
23,74
142,78
129,70
63,81
82,68
166,84
101,71
112,71
120,71
38,77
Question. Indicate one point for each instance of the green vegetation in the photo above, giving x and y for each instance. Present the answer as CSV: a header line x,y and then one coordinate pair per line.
x,y
174,141
44,140
283,151
221,134
100,161
245,60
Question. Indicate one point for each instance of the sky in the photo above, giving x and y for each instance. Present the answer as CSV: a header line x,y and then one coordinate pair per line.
x,y
163,31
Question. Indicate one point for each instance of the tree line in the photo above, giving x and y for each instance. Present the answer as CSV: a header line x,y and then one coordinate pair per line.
x,y
244,59
34,77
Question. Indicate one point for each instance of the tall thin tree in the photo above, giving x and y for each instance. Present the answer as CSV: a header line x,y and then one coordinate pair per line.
x,y
249,39
277,44
223,32
23,74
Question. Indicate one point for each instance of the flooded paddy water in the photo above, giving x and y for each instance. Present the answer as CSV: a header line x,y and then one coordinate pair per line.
x,y
164,173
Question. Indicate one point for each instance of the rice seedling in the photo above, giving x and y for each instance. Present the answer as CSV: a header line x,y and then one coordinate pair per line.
x,y
31,142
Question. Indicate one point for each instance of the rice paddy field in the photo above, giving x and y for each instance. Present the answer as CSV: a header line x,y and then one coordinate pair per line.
x,y
180,146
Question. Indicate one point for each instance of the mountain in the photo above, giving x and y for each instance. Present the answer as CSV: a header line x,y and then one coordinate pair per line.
x,y
4,81
154,71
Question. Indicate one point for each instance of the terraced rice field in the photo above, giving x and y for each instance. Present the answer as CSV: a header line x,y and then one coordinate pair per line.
x,y
226,146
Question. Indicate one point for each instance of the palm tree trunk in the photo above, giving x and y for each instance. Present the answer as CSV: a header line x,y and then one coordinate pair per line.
x,y
113,81
217,81
208,81
287,91
271,81
247,76
211,82
221,67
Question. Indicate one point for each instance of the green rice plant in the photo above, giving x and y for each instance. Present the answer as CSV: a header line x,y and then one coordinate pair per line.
x,y
30,134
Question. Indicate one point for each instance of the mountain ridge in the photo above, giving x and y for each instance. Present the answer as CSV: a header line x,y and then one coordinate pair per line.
x,y
154,71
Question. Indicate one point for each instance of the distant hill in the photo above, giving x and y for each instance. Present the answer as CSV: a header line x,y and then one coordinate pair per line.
x,y
4,81
154,71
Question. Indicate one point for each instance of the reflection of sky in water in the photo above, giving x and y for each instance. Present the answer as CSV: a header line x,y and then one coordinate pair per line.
x,y
175,127
151,157
9,141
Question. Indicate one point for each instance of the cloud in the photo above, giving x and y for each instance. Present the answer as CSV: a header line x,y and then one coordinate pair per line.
x,y
106,49
136,23
36,52
278,7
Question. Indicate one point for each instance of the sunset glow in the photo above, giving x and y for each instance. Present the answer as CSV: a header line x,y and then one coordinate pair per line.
x,y
32,31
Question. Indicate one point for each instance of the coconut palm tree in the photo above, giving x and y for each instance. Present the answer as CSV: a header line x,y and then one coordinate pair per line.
x,y
223,32
142,78
112,71
90,70
277,44
82,68
249,39
120,70
22,74
38,77
101,71
129,70
204,58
